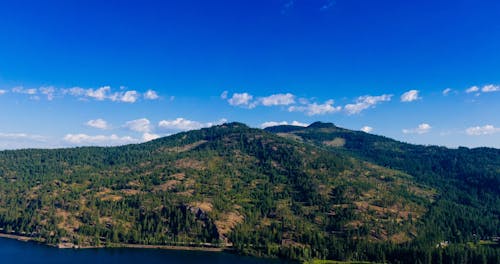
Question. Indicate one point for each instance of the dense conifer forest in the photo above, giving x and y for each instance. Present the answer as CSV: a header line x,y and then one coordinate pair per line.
x,y
319,192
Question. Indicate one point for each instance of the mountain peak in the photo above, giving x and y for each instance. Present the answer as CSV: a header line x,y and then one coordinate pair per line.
x,y
234,125
319,124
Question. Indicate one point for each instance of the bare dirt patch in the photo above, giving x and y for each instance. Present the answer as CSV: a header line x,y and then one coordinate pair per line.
x,y
204,206
134,183
189,183
399,238
187,193
169,185
111,197
336,142
354,224
187,147
130,192
188,163
228,221
106,220
68,222
106,194
178,176
103,191
290,136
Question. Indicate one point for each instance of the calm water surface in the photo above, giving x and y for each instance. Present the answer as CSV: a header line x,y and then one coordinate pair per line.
x,y
13,251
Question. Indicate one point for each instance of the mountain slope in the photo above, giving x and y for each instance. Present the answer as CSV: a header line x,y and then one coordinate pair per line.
x,y
300,193
467,180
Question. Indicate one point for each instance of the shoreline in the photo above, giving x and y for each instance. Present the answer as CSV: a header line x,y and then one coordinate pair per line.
x,y
117,245
18,237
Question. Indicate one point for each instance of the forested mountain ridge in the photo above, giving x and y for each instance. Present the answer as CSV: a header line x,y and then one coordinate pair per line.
x,y
467,180
440,161
315,192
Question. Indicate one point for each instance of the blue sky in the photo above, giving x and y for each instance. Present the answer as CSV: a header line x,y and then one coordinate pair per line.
x,y
91,73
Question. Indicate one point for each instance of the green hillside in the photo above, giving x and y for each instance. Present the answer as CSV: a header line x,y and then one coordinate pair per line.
x,y
319,192
467,181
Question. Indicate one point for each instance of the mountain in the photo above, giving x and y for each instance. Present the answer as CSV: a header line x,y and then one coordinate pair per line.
x,y
294,192
466,181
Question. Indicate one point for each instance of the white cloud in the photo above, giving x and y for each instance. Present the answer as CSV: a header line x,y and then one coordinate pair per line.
x,y
74,91
17,136
98,123
22,140
447,91
421,129
138,125
48,91
151,95
22,90
185,124
410,96
297,123
223,95
98,94
490,88
278,99
472,89
218,122
365,102
274,123
303,101
240,99
316,109
3,92
31,91
111,140
129,97
149,136
482,130
367,129
246,99
103,93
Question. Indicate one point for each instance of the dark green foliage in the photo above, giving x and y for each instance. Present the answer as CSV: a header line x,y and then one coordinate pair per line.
x,y
467,180
364,197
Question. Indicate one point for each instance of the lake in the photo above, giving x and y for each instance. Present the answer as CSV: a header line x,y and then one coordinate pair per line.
x,y
29,252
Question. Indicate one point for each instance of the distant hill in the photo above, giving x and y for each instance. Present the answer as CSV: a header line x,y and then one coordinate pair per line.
x,y
295,192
